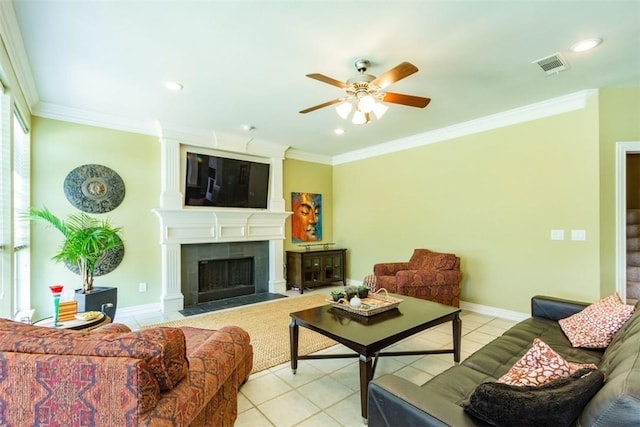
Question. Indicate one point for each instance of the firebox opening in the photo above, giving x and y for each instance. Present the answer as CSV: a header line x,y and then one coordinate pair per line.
x,y
225,278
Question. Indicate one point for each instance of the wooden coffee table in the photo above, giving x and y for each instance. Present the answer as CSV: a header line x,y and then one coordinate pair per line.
x,y
369,335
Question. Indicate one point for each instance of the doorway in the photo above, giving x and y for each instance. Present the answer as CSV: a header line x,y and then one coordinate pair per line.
x,y
628,220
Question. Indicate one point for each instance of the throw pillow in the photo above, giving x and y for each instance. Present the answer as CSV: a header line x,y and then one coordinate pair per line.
x,y
538,366
555,404
595,326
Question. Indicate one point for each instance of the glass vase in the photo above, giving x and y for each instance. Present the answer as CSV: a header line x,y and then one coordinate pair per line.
x,y
56,291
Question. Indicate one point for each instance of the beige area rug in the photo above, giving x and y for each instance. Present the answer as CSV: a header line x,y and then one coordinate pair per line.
x,y
268,326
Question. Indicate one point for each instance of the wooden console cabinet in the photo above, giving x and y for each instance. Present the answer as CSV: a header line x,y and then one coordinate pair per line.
x,y
313,268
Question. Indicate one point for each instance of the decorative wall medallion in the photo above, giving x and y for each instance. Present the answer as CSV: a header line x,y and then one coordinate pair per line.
x,y
110,262
94,188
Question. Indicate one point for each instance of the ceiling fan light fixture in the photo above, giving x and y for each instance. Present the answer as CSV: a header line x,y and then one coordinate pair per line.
x,y
344,109
366,102
379,109
359,118
363,94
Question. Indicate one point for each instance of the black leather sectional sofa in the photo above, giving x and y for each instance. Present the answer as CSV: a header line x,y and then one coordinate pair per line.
x,y
394,401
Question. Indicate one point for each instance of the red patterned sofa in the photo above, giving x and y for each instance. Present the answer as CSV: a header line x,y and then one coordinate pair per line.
x,y
111,376
429,275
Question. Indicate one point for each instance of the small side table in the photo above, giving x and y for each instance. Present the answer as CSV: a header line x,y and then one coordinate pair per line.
x,y
75,324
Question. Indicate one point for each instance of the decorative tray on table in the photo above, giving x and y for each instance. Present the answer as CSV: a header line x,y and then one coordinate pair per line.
x,y
88,315
374,303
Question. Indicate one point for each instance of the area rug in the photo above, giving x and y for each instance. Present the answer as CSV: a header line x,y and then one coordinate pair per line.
x,y
268,326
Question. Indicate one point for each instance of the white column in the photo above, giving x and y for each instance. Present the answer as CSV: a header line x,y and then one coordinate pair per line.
x,y
276,200
170,196
277,282
172,298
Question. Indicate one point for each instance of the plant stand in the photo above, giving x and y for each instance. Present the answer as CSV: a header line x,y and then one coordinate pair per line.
x,y
94,300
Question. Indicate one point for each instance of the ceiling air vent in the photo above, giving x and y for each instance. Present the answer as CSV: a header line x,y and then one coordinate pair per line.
x,y
552,64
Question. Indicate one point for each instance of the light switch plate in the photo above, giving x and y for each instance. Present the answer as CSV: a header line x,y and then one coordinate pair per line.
x,y
578,234
557,234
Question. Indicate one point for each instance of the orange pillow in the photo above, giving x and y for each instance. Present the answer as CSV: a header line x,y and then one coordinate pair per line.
x,y
595,326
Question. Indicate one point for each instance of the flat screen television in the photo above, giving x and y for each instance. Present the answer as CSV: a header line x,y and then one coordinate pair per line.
x,y
223,182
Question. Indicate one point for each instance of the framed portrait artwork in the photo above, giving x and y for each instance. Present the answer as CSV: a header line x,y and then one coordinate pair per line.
x,y
306,221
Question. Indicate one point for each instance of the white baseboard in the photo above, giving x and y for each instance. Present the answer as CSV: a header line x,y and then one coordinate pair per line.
x,y
478,308
136,310
486,310
494,311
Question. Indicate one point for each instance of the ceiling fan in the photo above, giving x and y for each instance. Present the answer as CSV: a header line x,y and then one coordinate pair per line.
x,y
364,92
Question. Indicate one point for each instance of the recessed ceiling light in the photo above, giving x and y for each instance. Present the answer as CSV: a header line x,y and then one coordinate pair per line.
x,y
175,86
338,131
584,45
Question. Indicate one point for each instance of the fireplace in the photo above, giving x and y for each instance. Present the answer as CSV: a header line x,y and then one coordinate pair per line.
x,y
184,227
225,278
213,271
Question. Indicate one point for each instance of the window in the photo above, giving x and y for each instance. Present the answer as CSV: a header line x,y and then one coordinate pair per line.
x,y
6,251
14,200
21,235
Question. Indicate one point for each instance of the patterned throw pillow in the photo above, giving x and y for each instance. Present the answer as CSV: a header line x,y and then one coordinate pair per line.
x,y
539,366
595,326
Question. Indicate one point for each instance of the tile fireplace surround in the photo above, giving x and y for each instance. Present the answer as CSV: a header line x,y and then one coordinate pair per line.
x,y
183,226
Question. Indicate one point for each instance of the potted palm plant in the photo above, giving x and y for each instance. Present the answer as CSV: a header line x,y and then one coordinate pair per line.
x,y
87,242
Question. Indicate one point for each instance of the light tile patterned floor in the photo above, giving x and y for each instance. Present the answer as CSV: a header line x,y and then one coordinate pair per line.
x,y
325,392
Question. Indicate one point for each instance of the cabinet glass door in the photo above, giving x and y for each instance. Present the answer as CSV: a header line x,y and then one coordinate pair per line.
x,y
333,267
312,269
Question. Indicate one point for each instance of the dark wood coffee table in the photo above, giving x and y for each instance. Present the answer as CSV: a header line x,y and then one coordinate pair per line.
x,y
369,335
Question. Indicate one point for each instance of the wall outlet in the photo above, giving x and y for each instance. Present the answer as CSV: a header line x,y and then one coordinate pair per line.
x,y
557,234
143,287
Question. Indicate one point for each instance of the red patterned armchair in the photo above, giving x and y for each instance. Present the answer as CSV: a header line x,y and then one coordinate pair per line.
x,y
112,377
428,275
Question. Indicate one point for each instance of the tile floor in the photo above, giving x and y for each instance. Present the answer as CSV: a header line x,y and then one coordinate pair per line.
x,y
326,391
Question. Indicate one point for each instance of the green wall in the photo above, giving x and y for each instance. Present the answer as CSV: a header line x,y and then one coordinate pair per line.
x,y
492,198
59,147
619,121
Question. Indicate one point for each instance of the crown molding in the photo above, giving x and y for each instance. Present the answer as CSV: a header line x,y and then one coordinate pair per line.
x,y
76,115
13,43
224,141
306,156
550,107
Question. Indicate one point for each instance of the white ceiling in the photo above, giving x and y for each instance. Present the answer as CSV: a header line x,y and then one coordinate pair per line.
x,y
244,62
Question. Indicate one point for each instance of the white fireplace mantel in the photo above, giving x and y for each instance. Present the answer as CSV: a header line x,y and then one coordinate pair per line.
x,y
222,225
180,225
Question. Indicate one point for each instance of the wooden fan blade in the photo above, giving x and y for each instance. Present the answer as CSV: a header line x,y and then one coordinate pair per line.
x,y
393,75
329,80
410,100
319,106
